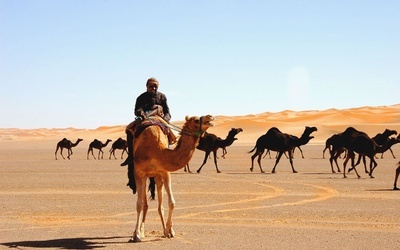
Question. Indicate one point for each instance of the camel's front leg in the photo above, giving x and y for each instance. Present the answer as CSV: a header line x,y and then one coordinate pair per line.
x,y
141,209
168,231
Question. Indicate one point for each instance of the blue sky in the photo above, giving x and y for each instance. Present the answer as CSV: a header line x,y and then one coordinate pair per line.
x,y
83,63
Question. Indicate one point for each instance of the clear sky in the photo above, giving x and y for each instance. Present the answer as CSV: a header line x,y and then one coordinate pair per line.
x,y
83,63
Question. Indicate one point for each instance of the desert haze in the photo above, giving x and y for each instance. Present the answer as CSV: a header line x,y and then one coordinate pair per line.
x,y
84,203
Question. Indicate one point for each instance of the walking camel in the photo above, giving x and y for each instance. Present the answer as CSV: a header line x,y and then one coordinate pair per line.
x,y
154,158
355,142
340,143
379,149
65,143
97,145
211,143
275,140
118,144
228,140
383,138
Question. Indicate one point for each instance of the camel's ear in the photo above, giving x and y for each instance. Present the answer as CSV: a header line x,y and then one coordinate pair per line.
x,y
187,118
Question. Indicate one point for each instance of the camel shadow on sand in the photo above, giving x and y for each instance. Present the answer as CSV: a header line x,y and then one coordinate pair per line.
x,y
71,243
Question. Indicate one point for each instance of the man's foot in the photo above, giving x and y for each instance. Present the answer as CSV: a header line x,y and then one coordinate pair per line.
x,y
127,161
132,186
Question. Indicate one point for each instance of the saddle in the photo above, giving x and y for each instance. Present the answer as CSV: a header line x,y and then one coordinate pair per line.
x,y
155,121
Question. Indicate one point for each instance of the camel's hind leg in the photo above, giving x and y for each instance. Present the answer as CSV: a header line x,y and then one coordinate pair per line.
x,y
204,162
280,153
259,154
215,161
168,231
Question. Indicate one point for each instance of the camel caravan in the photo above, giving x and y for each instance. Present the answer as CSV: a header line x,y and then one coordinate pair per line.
x,y
154,158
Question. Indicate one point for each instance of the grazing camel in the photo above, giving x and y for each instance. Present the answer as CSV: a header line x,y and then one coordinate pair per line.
x,y
154,158
397,173
119,144
275,140
97,145
65,143
211,143
383,138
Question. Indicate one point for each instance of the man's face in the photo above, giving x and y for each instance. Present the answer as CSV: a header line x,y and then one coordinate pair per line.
x,y
152,88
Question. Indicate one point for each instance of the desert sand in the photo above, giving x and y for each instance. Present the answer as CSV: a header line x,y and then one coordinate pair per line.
x,y
85,204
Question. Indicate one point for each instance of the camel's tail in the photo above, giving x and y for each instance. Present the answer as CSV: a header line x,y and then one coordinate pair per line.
x,y
152,188
251,151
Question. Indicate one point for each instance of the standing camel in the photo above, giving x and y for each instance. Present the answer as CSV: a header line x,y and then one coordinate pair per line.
x,y
65,143
97,145
211,143
381,139
154,158
275,140
118,144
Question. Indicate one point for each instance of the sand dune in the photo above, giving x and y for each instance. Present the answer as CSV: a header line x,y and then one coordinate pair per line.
x,y
371,120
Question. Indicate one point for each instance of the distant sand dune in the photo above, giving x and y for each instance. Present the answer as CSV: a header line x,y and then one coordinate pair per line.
x,y
371,120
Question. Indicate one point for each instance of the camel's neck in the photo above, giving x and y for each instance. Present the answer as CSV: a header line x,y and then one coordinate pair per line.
x,y
180,156
229,139
105,144
386,146
76,143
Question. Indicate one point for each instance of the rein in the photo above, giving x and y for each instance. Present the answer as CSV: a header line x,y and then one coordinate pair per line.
x,y
186,131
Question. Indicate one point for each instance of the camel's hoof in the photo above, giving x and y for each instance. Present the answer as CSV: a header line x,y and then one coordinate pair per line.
x,y
360,177
136,238
333,172
272,172
251,169
396,188
344,176
262,171
218,172
295,172
371,176
198,171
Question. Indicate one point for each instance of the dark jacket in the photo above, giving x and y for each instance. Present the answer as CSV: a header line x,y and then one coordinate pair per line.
x,y
145,102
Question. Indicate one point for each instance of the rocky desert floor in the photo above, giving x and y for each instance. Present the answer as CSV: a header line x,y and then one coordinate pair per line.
x,y
85,204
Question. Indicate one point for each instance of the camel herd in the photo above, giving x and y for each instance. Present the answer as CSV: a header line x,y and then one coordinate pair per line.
x,y
155,159
95,144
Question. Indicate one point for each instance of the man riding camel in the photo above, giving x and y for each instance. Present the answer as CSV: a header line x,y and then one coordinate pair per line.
x,y
149,103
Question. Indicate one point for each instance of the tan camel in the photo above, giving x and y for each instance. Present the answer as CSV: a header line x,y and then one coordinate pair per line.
x,y
153,158
65,143
97,145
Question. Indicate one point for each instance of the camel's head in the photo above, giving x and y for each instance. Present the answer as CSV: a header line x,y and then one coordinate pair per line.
x,y
199,125
390,132
309,130
235,131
